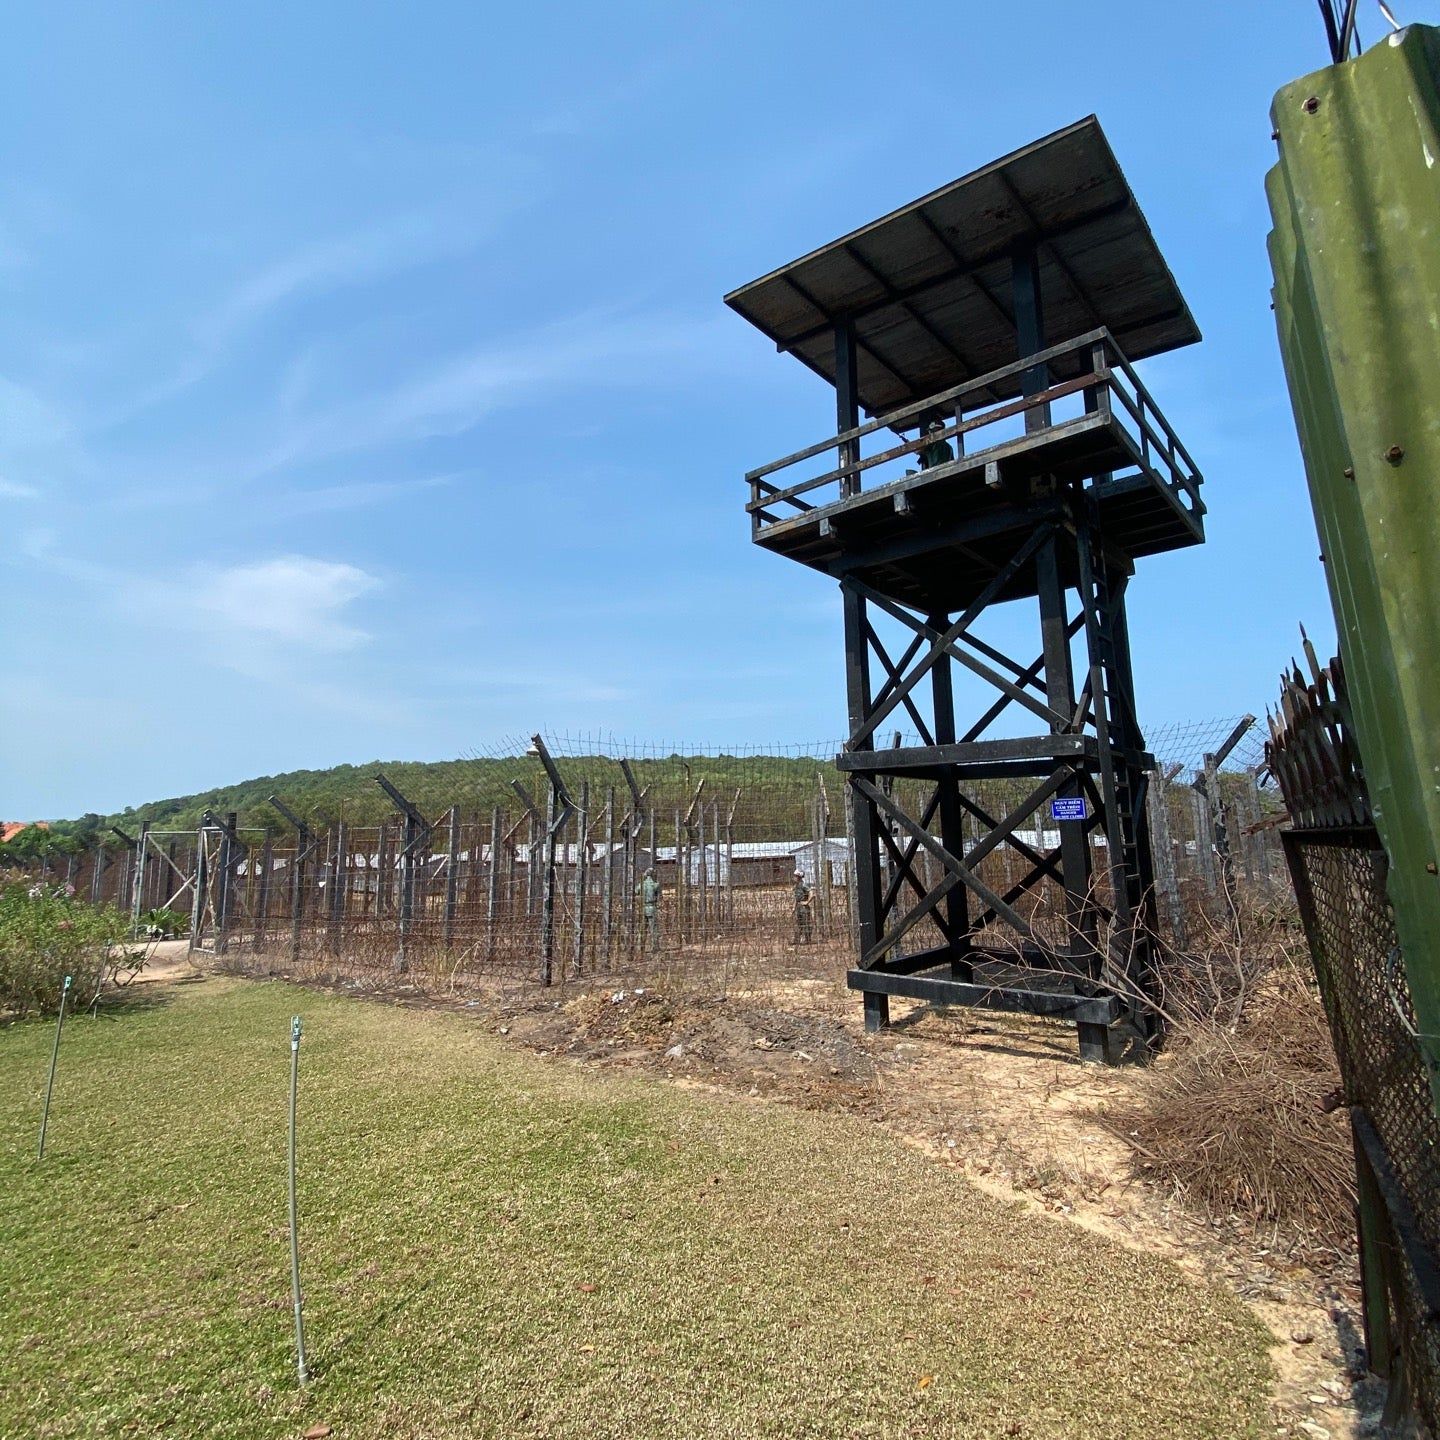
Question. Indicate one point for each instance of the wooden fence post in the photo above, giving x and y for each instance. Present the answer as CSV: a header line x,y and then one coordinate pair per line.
x,y
581,870
452,877
547,900
608,898
492,881
340,883
1163,850
137,878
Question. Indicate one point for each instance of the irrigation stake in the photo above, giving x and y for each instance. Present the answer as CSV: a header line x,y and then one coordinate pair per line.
x,y
54,1056
304,1374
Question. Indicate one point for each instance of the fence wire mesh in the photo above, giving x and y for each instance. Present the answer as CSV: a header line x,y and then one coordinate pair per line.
x,y
487,867
1340,881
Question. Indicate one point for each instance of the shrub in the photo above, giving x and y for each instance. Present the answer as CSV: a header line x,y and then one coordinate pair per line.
x,y
46,935
1242,1113
163,924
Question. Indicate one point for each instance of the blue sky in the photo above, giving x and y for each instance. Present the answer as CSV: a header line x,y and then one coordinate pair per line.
x,y
366,390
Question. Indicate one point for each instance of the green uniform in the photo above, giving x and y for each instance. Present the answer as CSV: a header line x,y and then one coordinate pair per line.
x,y
938,452
802,911
649,892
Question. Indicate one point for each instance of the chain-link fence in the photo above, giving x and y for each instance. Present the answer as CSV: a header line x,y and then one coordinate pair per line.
x,y
1339,869
564,857
1340,880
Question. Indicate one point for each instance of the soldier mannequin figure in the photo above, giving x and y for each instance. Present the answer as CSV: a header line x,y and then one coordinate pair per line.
x,y
803,913
649,892
937,452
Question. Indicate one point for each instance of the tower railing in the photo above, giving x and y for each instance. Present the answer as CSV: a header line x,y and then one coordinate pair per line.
x,y
1106,395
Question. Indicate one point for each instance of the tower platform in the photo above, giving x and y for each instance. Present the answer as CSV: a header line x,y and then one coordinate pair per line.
x,y
900,532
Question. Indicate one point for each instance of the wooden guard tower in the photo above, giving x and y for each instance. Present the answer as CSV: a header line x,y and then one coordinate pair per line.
x,y
1012,454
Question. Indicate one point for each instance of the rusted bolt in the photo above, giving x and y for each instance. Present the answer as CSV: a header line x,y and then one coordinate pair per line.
x,y
1349,472
1311,105
1395,454
1274,134
1432,868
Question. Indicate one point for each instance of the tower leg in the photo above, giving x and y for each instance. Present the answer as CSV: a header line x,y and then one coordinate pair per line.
x,y
1095,1044
957,920
877,1012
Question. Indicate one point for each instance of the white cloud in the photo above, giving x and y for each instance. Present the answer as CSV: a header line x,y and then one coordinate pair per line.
x,y
593,350
36,442
294,601
360,256
366,254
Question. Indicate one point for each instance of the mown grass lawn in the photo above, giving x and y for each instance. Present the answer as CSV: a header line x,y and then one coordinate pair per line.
x,y
494,1244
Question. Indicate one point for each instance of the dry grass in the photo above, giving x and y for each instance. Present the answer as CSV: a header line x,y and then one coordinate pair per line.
x,y
1239,1114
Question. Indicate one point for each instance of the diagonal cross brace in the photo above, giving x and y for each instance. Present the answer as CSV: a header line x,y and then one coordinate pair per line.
x,y
895,677
909,920
955,866
944,644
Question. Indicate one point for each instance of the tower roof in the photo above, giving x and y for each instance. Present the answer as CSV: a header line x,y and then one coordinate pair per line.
x,y
928,285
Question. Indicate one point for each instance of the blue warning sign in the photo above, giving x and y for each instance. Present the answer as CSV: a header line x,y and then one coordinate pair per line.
x,y
1069,808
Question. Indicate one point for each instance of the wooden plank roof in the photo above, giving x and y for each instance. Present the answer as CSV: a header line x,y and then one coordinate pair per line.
x,y
928,286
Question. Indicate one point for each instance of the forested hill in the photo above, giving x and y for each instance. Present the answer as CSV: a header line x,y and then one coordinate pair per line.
x,y
350,792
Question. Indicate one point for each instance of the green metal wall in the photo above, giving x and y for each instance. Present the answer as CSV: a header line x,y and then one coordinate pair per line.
x,y
1355,200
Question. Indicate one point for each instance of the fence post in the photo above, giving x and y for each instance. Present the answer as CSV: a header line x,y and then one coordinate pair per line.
x,y
1204,843
608,882
1219,829
581,871
702,876
512,874
416,832
826,900
225,882
559,810
340,869
852,898
492,883
680,887
1166,882
262,889
730,859
1263,833
717,873
137,878
304,844
452,876
547,901
171,850
202,885
627,882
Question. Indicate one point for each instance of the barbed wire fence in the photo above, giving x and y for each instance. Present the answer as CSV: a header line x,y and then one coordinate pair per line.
x,y
527,862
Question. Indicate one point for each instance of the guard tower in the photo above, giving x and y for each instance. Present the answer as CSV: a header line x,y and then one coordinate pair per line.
x,y
1011,454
